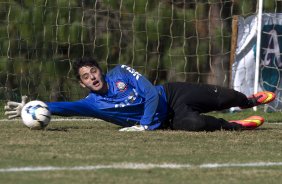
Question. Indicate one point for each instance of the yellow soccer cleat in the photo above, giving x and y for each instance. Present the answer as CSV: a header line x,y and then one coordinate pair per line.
x,y
250,123
263,97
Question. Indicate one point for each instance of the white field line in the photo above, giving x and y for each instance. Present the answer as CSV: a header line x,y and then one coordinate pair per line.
x,y
139,166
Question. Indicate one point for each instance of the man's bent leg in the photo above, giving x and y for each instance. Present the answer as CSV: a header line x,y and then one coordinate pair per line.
x,y
203,97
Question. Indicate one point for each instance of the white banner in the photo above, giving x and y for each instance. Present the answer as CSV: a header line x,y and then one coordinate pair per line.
x,y
270,74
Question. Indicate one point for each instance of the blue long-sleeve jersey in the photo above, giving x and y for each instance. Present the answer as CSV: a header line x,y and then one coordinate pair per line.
x,y
131,99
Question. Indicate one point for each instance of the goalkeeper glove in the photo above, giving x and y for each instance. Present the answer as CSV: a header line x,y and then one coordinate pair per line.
x,y
136,128
13,109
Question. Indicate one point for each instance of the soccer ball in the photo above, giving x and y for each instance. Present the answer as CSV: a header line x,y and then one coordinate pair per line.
x,y
35,115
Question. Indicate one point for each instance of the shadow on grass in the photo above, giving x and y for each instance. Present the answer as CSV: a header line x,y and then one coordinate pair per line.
x,y
67,128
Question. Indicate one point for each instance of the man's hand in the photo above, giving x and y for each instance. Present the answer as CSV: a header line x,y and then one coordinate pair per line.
x,y
136,128
13,109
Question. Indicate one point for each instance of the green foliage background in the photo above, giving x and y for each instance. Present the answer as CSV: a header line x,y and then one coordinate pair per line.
x,y
166,40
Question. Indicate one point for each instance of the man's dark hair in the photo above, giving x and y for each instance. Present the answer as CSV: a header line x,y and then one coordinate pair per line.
x,y
83,61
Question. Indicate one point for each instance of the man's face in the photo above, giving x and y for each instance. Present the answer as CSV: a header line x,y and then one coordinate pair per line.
x,y
92,78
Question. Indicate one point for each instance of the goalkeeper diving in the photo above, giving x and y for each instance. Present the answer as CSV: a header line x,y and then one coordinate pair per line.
x,y
126,98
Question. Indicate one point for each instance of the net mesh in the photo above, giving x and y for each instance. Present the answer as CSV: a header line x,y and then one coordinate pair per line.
x,y
270,63
166,40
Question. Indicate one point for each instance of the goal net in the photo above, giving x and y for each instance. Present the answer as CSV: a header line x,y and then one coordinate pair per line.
x,y
166,40
262,60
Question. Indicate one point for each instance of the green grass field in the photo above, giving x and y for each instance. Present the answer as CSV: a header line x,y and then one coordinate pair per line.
x,y
96,152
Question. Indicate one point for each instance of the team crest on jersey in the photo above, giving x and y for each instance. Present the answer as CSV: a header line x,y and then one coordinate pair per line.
x,y
121,86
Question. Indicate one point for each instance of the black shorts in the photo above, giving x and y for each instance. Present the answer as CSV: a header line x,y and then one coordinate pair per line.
x,y
187,102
